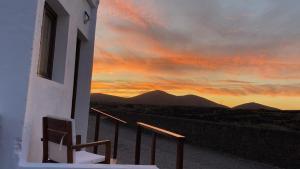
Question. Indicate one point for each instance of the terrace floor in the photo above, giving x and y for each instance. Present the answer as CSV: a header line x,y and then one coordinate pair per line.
x,y
194,157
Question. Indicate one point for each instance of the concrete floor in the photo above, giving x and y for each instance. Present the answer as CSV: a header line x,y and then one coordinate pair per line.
x,y
194,157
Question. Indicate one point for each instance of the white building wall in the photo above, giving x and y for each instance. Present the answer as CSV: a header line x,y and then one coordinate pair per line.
x,y
54,97
17,20
24,97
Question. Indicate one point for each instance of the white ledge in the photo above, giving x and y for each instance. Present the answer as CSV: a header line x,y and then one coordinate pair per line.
x,y
27,165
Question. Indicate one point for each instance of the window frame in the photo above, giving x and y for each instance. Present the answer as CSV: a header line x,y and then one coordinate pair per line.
x,y
51,14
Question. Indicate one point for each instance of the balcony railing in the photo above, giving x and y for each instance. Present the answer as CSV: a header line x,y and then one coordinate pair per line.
x,y
117,122
155,130
140,126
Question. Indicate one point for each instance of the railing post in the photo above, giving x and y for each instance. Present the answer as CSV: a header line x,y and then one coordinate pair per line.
x,y
138,144
179,157
97,126
152,162
116,140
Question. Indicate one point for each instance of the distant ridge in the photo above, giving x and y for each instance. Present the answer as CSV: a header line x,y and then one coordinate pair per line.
x,y
253,106
157,97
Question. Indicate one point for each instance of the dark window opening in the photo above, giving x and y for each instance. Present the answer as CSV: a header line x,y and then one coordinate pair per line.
x,y
47,43
77,58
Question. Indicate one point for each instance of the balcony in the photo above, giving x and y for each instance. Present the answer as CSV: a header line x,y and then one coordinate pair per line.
x,y
143,146
155,131
141,143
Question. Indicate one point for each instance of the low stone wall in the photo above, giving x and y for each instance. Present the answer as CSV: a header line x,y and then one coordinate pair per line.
x,y
276,147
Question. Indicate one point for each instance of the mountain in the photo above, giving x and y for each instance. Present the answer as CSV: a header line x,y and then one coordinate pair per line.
x,y
254,106
105,98
157,98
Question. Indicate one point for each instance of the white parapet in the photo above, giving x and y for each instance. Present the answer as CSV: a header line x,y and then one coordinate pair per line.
x,y
82,166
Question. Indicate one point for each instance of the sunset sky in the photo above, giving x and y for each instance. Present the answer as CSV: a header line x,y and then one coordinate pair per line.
x,y
228,51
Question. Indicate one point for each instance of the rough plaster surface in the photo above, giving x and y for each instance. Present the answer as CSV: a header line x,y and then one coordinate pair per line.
x,y
24,97
49,97
16,32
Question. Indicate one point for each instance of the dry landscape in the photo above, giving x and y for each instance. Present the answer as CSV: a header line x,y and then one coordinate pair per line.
x,y
226,136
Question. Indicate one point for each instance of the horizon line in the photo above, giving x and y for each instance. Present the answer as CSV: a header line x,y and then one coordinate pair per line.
x,y
197,96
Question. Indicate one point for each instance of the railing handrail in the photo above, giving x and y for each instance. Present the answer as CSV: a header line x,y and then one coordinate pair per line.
x,y
109,116
156,130
117,124
160,130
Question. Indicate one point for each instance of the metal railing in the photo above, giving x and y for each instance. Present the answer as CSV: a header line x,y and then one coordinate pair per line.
x,y
117,122
155,130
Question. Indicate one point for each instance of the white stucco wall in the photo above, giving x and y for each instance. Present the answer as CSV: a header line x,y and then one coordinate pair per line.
x,y
51,97
24,96
17,20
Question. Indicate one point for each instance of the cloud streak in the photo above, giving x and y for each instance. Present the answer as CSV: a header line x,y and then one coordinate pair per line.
x,y
230,48
170,62
292,90
129,11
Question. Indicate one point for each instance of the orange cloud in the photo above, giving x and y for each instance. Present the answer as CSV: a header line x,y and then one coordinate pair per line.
x,y
159,50
177,85
172,63
129,11
138,41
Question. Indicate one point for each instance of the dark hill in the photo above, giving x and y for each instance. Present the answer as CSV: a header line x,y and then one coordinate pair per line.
x,y
157,98
254,106
105,98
